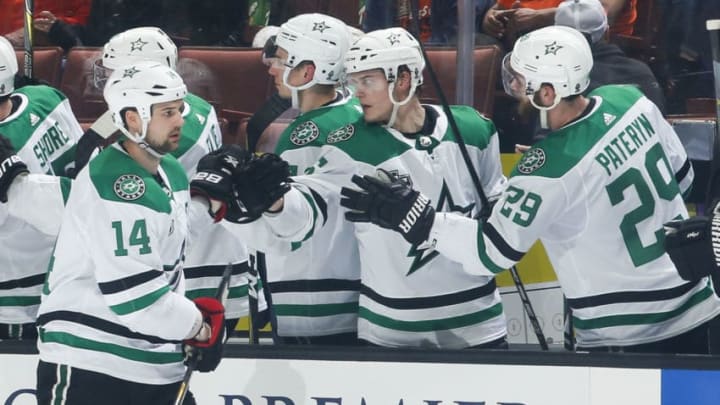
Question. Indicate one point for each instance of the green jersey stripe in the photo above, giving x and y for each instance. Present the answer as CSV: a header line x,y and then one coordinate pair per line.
x,y
642,319
140,303
432,325
144,356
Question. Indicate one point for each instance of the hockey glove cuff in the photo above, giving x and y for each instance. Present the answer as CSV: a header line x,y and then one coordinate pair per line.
x,y
391,203
213,313
11,166
213,179
694,246
206,359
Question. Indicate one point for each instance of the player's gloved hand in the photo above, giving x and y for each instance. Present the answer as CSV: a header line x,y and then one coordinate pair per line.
x,y
260,183
391,203
213,179
10,167
206,347
694,245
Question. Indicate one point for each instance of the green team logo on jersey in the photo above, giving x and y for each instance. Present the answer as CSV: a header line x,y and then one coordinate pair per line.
x,y
531,161
304,133
129,187
341,134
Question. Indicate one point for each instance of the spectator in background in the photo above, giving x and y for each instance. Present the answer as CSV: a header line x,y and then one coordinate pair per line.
x,y
46,12
438,19
509,19
611,65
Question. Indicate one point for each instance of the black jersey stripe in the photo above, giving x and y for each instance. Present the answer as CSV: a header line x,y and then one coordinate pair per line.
x,y
511,254
214,270
631,296
29,281
432,301
112,287
684,170
99,324
321,204
322,285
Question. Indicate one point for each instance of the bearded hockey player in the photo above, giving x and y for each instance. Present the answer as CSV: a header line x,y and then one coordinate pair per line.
x,y
114,309
596,192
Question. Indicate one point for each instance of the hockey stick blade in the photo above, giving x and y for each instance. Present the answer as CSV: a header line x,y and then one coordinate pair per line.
x,y
221,295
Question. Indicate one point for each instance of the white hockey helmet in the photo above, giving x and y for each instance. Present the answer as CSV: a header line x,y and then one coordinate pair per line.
x,y
386,49
140,86
8,67
556,55
318,38
135,45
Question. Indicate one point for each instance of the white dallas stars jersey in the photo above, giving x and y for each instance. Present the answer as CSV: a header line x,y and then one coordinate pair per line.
x,y
208,255
596,193
114,298
411,296
44,132
314,283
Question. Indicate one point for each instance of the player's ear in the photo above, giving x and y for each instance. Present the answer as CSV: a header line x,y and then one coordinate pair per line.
x,y
309,71
133,122
546,95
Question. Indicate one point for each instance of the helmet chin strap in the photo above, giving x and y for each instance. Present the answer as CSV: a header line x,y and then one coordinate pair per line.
x,y
543,110
397,104
295,90
140,140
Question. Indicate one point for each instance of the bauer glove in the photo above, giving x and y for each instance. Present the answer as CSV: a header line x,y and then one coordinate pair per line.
x,y
10,167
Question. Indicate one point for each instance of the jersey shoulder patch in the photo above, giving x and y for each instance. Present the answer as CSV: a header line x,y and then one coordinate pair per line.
x,y
118,178
314,127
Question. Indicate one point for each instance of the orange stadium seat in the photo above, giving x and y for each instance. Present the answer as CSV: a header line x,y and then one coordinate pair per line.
x,y
77,84
47,63
486,68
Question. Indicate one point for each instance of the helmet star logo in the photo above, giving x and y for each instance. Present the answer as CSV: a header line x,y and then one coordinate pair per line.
x,y
552,48
394,39
321,26
137,45
130,72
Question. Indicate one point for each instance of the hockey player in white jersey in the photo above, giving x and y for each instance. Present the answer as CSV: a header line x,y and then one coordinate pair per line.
x,y
410,296
200,134
314,284
596,192
40,125
114,309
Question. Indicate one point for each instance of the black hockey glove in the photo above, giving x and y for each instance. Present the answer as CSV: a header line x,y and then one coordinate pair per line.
x,y
694,246
10,167
213,179
391,203
260,182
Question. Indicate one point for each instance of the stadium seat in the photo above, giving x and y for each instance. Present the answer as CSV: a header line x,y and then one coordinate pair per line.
x,y
234,80
47,63
77,84
444,62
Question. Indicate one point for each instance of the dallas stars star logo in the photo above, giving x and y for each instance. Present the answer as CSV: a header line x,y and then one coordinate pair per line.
x,y
321,26
137,45
445,204
130,72
552,48
394,39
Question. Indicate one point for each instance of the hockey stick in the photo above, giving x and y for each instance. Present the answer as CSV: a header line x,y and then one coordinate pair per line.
x,y
252,279
485,210
220,295
28,38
